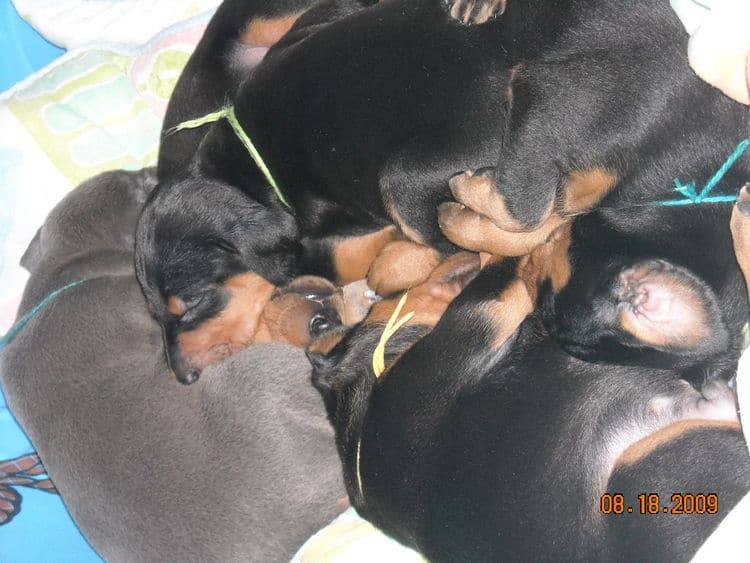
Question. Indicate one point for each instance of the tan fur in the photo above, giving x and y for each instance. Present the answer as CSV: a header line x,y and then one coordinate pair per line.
x,y
267,32
472,231
586,188
400,265
176,306
740,226
550,261
326,343
353,257
479,194
430,299
651,443
507,312
286,320
234,328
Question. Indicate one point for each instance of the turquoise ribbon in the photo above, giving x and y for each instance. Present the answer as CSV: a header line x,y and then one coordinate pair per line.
x,y
18,327
694,197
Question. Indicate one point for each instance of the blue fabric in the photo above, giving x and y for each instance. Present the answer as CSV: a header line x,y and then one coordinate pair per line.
x,y
42,530
23,49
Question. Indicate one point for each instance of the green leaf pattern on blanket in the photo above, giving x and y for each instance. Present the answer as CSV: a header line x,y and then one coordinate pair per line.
x,y
93,113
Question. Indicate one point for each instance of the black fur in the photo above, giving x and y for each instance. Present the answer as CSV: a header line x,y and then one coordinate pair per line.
x,y
363,111
471,452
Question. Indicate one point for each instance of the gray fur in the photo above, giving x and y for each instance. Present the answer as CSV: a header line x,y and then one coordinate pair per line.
x,y
240,466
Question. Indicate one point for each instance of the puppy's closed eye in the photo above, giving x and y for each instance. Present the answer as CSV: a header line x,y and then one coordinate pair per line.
x,y
224,245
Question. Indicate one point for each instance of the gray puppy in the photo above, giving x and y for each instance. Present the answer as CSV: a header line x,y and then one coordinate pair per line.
x,y
240,466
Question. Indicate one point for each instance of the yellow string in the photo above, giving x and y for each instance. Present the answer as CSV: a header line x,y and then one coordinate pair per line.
x,y
229,114
391,328
378,366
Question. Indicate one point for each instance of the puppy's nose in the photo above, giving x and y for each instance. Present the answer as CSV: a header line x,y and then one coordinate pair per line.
x,y
324,320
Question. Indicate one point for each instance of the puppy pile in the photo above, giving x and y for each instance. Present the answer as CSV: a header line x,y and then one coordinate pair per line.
x,y
558,387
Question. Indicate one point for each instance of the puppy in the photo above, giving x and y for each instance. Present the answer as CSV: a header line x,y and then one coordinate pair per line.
x,y
604,125
543,98
353,130
484,439
240,467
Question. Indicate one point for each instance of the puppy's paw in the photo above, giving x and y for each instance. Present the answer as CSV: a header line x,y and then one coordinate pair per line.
x,y
401,265
477,191
475,12
453,275
429,300
473,231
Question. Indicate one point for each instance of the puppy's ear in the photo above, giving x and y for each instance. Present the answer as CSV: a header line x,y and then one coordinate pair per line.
x,y
320,362
33,255
324,355
322,352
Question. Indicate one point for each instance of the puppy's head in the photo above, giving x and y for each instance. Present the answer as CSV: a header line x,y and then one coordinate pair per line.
x,y
208,259
343,370
311,308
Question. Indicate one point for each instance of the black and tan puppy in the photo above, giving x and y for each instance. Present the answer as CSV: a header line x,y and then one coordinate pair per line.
x,y
485,441
361,119
612,121
351,117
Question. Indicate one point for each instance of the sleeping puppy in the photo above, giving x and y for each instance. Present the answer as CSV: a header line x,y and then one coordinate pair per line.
x,y
484,439
348,111
235,41
241,467
612,121
351,117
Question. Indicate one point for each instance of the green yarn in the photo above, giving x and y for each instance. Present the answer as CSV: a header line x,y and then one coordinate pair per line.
x,y
229,114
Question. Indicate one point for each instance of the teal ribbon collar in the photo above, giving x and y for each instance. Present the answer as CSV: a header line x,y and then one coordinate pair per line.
x,y
18,327
690,192
229,114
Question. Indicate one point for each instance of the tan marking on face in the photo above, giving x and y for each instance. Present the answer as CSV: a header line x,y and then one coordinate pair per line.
x,y
234,327
430,299
740,226
176,306
550,261
479,194
473,231
652,442
506,313
262,32
586,188
400,265
353,257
